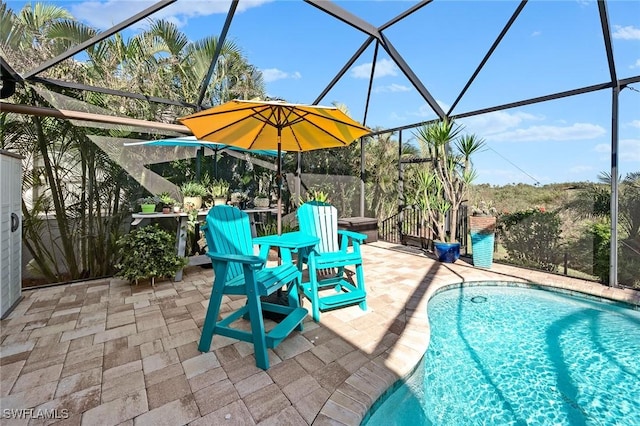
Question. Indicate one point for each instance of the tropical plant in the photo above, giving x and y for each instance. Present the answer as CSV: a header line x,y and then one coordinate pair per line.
x,y
166,199
484,208
314,194
148,252
193,189
73,194
451,172
149,200
381,172
432,206
219,188
67,179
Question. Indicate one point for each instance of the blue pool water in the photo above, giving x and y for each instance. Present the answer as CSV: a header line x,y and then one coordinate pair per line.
x,y
520,356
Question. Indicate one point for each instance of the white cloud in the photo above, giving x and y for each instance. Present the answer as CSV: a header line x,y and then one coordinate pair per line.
x,y
384,68
581,169
635,123
577,131
106,13
626,33
391,88
636,64
497,122
628,149
272,74
425,112
536,33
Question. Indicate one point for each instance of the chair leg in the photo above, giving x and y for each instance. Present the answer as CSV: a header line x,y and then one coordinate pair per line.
x,y
360,279
313,292
257,325
210,319
293,297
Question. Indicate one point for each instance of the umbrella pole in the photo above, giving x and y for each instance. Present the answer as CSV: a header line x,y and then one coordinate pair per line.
x,y
279,178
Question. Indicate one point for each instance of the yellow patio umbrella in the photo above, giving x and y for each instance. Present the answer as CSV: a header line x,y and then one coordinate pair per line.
x,y
264,125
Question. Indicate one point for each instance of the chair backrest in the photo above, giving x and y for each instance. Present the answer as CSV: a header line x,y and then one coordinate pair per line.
x,y
320,220
228,231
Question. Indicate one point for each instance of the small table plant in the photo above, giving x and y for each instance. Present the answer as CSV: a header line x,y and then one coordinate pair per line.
x,y
167,202
148,204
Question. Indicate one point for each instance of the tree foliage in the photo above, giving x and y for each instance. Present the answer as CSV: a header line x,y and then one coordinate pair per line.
x,y
75,197
532,238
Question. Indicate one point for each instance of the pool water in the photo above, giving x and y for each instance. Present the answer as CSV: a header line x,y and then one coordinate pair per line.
x,y
520,356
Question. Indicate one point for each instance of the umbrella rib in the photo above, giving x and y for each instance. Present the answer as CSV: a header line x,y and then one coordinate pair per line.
x,y
209,113
323,130
233,123
335,120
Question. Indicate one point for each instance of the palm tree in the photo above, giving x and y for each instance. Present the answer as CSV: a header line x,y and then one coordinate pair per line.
x,y
594,200
381,159
68,175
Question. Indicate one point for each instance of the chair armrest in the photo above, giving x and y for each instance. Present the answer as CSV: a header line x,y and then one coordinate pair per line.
x,y
239,258
353,235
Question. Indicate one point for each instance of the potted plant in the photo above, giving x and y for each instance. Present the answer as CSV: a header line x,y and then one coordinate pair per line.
x,y
148,252
239,199
167,202
193,193
482,227
219,190
446,181
148,204
261,200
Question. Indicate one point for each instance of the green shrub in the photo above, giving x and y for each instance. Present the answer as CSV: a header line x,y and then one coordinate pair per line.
x,y
148,252
532,238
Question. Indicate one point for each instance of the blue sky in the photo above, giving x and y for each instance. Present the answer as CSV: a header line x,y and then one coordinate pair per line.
x,y
553,46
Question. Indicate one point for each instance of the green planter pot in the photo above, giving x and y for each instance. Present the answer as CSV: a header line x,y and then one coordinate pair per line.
x,y
148,208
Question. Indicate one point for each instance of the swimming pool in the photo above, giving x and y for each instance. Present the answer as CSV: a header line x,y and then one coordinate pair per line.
x,y
513,356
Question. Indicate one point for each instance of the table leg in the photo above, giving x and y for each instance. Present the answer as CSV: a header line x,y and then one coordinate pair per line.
x,y
181,243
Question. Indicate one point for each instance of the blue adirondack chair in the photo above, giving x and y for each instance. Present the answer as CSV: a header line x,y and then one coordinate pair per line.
x,y
239,272
329,259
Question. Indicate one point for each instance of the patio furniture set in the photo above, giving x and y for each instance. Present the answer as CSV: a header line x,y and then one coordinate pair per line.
x,y
238,271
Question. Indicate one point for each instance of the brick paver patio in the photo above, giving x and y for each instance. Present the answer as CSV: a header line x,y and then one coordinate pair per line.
x,y
106,353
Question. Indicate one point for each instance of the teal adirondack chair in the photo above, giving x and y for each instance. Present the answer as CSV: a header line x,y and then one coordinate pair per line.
x,y
238,271
329,258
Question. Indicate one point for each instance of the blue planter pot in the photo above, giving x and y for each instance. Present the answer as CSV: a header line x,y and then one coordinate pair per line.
x,y
447,252
482,249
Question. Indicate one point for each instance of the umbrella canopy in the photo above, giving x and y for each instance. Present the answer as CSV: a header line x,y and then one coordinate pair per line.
x,y
265,125
259,125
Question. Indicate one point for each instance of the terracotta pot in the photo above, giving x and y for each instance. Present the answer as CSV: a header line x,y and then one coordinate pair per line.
x,y
482,224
